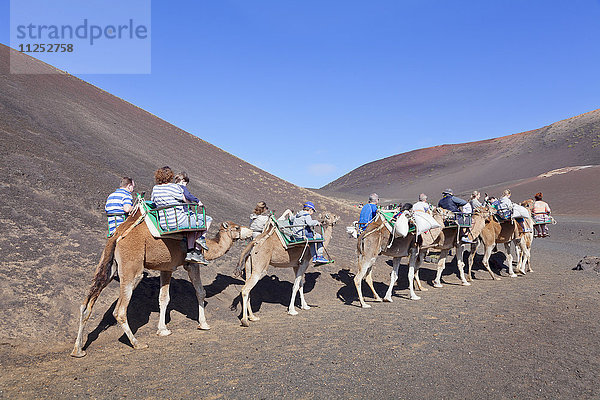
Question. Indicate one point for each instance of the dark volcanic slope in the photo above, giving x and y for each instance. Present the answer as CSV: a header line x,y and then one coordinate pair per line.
x,y
64,146
468,166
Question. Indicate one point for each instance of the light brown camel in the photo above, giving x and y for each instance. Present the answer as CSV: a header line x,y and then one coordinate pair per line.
x,y
374,241
490,233
133,248
441,239
267,249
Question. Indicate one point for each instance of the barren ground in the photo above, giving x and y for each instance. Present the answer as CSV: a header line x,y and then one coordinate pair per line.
x,y
528,337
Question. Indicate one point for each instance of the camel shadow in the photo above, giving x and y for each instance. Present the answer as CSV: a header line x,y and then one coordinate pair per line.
x,y
347,293
144,302
270,289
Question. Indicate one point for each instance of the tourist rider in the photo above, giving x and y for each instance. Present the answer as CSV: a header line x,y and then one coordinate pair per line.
x,y
305,231
422,205
368,212
166,193
475,203
541,215
119,202
505,205
182,179
452,203
259,218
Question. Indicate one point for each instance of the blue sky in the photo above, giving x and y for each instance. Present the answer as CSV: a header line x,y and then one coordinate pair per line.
x,y
309,90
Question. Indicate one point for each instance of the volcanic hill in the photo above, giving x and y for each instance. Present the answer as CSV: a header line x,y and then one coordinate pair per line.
x,y
520,161
64,146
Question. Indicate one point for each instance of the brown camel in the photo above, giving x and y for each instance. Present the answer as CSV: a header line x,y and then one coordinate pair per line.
x,y
133,248
267,249
441,239
372,242
490,233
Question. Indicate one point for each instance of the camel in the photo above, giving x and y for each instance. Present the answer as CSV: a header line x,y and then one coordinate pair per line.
x,y
490,233
375,240
267,249
133,248
441,239
524,247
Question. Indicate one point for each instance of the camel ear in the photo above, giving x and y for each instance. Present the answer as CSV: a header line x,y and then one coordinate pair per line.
x,y
225,225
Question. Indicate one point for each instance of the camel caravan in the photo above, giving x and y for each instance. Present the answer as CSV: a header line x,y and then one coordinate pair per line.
x,y
170,231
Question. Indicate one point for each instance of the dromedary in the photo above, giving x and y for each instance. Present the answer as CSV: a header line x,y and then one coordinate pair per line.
x,y
133,248
375,240
490,232
524,247
267,249
441,239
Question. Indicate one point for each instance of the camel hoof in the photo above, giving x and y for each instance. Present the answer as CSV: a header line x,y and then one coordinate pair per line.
x,y
415,297
424,289
379,300
163,332
78,354
140,346
513,275
245,323
292,312
203,326
465,283
253,318
437,285
388,299
305,307
365,305
497,278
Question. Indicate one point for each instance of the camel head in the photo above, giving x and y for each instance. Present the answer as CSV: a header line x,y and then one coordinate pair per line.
x,y
328,219
235,231
442,212
484,212
528,204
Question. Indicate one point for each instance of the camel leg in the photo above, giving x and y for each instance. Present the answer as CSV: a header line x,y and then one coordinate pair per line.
x,y
251,281
251,315
163,301
460,253
85,311
393,279
363,267
193,271
440,268
120,313
486,261
303,304
411,274
509,259
420,258
369,280
519,257
299,275
471,261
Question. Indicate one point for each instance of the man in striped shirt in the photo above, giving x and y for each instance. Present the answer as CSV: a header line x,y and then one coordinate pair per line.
x,y
119,202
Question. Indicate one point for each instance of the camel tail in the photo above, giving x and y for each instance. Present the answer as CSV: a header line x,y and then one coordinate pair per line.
x,y
243,257
104,271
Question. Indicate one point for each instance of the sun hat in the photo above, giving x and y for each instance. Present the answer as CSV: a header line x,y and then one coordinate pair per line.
x,y
310,205
447,191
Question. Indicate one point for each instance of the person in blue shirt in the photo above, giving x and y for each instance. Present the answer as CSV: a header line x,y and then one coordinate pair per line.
x,y
454,204
119,202
368,212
